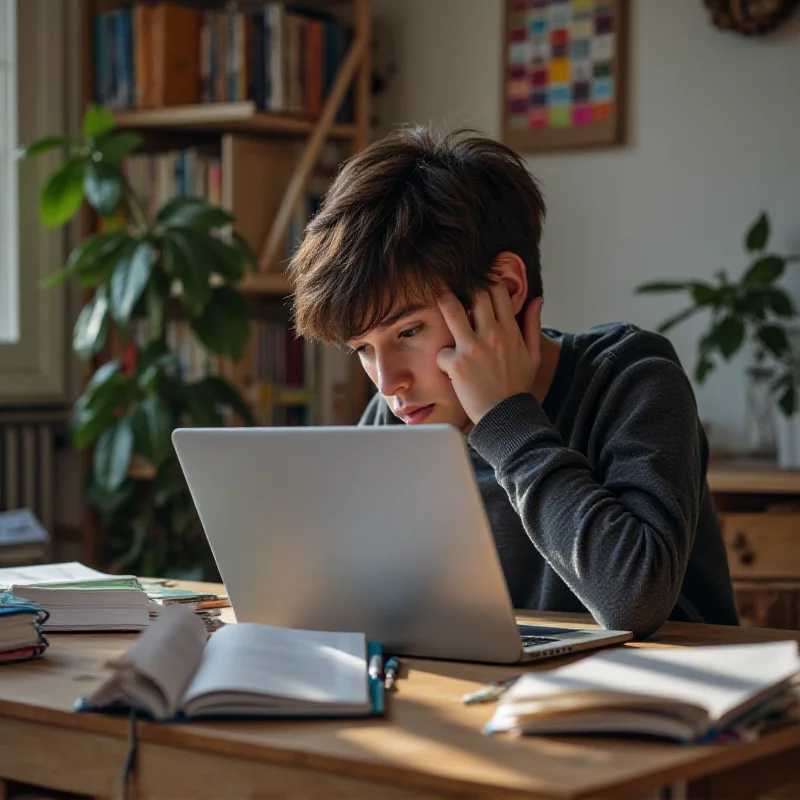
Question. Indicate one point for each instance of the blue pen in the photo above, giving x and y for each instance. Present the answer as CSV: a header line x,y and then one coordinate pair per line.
x,y
390,672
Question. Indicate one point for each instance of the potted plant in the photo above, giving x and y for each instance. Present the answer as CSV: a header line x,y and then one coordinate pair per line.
x,y
753,309
139,270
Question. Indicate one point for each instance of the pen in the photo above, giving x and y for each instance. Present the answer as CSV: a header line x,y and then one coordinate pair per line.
x,y
490,692
376,666
390,673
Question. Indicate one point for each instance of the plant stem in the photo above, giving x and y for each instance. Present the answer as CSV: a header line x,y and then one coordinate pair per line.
x,y
136,207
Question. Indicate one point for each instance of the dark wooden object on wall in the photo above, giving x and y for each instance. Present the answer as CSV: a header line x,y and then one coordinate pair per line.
x,y
750,17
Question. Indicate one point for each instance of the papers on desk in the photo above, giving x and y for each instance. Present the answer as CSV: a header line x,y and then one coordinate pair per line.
x,y
685,694
80,599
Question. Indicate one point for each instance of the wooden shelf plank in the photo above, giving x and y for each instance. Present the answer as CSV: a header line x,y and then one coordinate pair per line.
x,y
745,476
271,283
242,116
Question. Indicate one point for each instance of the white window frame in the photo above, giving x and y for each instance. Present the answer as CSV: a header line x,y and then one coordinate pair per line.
x,y
33,369
9,193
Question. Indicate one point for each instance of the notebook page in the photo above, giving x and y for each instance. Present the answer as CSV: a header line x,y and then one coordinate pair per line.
x,y
65,572
719,678
308,666
167,653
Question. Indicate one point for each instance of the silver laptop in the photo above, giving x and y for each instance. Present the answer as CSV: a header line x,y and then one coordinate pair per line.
x,y
374,529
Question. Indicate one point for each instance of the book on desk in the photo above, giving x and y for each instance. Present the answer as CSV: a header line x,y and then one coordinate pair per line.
x,y
21,637
175,671
722,693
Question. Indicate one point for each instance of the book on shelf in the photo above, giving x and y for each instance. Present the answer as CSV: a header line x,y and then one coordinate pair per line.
x,y
699,694
166,54
21,637
177,671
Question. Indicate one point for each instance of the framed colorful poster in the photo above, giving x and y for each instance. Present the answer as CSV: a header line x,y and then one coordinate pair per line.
x,y
564,73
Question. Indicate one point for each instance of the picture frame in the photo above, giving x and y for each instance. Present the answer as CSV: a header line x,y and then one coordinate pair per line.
x,y
564,74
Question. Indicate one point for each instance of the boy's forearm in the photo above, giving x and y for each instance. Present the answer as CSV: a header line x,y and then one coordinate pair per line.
x,y
620,541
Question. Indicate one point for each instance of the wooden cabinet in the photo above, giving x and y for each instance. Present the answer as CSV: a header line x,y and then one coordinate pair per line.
x,y
759,512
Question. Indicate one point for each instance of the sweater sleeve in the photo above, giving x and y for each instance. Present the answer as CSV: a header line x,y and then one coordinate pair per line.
x,y
617,526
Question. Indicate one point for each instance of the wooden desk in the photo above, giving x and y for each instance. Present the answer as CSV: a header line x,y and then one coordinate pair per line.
x,y
759,511
428,746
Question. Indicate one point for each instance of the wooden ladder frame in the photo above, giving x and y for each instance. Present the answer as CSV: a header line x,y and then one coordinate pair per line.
x,y
356,66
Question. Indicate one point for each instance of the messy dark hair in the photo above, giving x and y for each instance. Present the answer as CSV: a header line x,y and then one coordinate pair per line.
x,y
405,219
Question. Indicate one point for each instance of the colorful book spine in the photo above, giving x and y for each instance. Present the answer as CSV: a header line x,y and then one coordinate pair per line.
x,y
166,54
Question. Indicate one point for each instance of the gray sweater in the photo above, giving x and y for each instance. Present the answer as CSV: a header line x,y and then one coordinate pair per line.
x,y
598,498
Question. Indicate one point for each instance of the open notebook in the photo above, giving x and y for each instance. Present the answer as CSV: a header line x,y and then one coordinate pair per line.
x,y
175,671
685,694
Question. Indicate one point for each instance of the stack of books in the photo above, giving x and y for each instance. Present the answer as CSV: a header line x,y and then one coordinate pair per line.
x,y
206,605
80,599
21,637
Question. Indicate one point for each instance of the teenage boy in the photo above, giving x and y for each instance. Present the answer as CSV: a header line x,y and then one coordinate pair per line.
x,y
588,450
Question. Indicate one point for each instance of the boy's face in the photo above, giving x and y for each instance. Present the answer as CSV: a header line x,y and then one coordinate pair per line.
x,y
400,358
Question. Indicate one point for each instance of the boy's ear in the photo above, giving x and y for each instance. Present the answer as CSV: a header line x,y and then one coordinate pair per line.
x,y
510,268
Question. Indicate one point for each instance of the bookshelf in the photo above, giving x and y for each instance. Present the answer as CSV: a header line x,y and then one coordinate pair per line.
x,y
241,116
273,158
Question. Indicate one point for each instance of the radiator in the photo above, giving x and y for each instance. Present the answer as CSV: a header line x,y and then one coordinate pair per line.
x,y
27,462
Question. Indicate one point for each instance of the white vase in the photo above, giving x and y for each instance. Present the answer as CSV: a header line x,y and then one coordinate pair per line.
x,y
787,439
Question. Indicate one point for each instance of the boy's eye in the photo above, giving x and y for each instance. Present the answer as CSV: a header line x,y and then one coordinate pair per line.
x,y
407,334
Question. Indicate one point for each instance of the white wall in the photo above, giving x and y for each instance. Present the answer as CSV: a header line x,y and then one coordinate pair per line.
x,y
714,138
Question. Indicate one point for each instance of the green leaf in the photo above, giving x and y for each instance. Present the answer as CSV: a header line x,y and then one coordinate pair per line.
x,y
192,212
703,367
729,335
158,425
105,373
766,270
223,259
88,423
662,286
97,121
781,303
114,146
788,400
774,339
103,185
129,279
91,328
703,294
224,326
224,394
86,259
112,455
63,193
191,266
757,236
671,322
201,406
44,145
96,409
155,358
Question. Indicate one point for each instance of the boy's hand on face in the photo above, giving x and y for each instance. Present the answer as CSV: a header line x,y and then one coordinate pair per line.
x,y
491,359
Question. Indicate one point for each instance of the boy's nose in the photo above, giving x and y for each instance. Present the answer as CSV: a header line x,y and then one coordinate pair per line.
x,y
391,379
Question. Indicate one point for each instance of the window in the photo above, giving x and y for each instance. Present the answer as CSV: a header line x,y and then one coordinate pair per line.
x,y
38,42
9,224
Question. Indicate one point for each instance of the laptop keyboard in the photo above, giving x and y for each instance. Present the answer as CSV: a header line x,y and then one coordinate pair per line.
x,y
528,640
